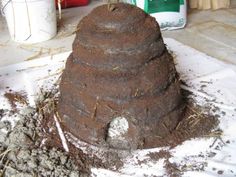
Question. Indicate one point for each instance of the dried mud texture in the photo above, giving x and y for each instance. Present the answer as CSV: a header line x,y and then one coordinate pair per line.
x,y
120,67
23,151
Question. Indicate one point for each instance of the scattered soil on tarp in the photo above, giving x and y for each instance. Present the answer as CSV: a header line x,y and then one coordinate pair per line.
x,y
159,155
155,156
195,123
172,169
16,97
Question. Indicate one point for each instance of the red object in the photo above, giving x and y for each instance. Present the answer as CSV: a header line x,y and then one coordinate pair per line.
x,y
72,3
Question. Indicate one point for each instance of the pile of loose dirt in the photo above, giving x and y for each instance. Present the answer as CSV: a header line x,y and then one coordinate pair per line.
x,y
23,152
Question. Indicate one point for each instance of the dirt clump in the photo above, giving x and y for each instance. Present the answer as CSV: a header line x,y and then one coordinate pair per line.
x,y
16,97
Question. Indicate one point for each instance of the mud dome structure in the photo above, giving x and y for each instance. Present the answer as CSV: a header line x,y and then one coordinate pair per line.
x,y
120,87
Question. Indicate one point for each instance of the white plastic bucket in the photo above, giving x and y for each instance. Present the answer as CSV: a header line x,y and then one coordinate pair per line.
x,y
30,21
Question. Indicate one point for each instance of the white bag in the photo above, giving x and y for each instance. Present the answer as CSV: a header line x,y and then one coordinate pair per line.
x,y
170,14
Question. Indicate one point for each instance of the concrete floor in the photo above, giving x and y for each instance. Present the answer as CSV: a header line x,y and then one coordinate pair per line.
x,y
212,32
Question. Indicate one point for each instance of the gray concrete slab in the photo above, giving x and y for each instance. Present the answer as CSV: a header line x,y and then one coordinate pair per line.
x,y
212,32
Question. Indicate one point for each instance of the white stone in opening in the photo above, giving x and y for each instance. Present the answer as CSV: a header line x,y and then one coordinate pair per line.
x,y
118,127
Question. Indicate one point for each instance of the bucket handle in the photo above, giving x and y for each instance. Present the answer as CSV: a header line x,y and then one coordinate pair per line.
x,y
3,13
30,33
5,5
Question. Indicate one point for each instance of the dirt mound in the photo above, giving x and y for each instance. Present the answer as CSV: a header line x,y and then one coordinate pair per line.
x,y
120,88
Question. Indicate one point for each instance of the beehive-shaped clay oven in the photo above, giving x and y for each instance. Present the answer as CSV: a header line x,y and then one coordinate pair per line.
x,y
120,87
